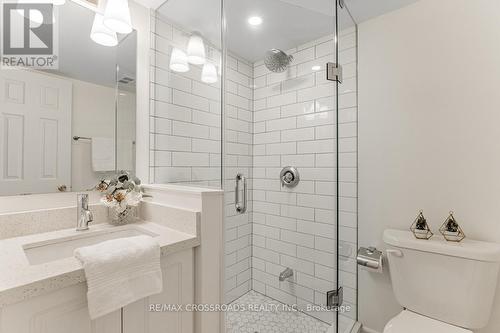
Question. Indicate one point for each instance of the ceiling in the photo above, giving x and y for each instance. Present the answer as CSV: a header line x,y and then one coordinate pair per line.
x,y
286,23
80,57
363,10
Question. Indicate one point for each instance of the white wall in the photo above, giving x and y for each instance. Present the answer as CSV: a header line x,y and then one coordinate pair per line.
x,y
93,114
93,109
429,78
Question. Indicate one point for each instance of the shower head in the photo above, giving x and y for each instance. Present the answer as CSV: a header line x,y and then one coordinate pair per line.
x,y
277,61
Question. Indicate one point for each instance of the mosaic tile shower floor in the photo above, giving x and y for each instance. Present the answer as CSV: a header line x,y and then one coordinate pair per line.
x,y
270,321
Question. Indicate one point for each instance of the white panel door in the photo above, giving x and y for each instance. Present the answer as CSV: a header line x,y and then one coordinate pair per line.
x,y
35,132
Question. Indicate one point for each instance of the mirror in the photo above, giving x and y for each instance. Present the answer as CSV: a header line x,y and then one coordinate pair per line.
x,y
64,130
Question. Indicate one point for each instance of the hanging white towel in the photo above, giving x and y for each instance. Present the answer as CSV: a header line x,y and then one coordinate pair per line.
x,y
119,272
103,154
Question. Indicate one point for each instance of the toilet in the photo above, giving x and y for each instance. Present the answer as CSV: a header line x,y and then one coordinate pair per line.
x,y
443,287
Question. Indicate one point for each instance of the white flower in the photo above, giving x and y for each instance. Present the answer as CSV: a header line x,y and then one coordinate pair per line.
x,y
120,200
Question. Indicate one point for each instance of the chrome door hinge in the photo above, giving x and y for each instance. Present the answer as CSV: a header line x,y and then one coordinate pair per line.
x,y
333,72
334,298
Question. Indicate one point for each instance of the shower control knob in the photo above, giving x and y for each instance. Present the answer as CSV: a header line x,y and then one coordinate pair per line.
x,y
289,176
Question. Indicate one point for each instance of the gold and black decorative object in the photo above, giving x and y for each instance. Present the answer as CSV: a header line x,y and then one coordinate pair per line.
x,y
420,228
450,229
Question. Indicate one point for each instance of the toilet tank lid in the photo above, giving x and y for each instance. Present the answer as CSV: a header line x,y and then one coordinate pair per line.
x,y
468,248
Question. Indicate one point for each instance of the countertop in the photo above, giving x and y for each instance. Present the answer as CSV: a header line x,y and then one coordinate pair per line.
x,y
20,280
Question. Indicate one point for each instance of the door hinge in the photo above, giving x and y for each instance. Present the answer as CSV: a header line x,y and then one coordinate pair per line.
x,y
334,298
333,72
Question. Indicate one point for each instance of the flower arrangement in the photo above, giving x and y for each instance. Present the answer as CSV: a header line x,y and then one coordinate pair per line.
x,y
122,195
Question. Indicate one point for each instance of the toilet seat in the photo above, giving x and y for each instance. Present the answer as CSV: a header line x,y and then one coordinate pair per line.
x,y
411,322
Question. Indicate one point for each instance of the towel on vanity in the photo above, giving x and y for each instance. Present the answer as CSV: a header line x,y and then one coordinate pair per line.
x,y
103,154
119,272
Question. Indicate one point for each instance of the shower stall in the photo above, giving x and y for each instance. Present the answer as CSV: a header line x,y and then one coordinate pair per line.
x,y
259,98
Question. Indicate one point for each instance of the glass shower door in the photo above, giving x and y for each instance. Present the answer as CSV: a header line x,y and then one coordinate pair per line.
x,y
260,116
281,110
347,168
185,93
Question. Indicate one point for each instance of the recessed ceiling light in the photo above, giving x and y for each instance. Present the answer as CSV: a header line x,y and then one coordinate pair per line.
x,y
316,68
255,20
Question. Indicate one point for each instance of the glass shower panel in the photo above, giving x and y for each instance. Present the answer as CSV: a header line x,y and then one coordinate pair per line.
x,y
186,90
347,168
280,111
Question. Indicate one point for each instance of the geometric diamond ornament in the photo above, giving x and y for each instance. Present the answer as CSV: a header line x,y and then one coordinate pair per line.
x,y
420,228
450,229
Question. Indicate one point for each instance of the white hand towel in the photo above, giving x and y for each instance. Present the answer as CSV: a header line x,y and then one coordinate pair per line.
x,y
119,272
103,154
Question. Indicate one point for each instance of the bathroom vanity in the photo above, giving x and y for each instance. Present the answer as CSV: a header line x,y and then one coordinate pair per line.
x,y
48,285
43,288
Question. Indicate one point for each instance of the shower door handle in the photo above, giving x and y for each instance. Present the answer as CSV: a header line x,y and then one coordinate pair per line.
x,y
240,207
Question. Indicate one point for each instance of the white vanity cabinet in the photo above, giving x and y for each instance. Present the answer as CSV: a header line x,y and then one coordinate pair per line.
x,y
178,289
65,310
62,311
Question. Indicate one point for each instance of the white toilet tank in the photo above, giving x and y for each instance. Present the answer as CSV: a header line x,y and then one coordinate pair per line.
x,y
451,282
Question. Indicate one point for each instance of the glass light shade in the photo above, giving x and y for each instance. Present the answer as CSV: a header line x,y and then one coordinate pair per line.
x,y
209,73
179,61
117,16
101,34
196,50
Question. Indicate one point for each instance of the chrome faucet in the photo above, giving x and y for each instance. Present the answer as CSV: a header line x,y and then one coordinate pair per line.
x,y
288,272
83,214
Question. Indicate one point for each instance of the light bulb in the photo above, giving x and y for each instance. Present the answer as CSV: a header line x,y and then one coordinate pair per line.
x,y
179,61
117,16
196,50
101,34
209,73
255,20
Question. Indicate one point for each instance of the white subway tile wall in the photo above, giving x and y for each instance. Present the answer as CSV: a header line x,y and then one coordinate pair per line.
x,y
295,124
186,138
238,159
185,114
271,120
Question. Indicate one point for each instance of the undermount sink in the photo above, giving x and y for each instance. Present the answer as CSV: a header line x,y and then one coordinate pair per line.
x,y
60,248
